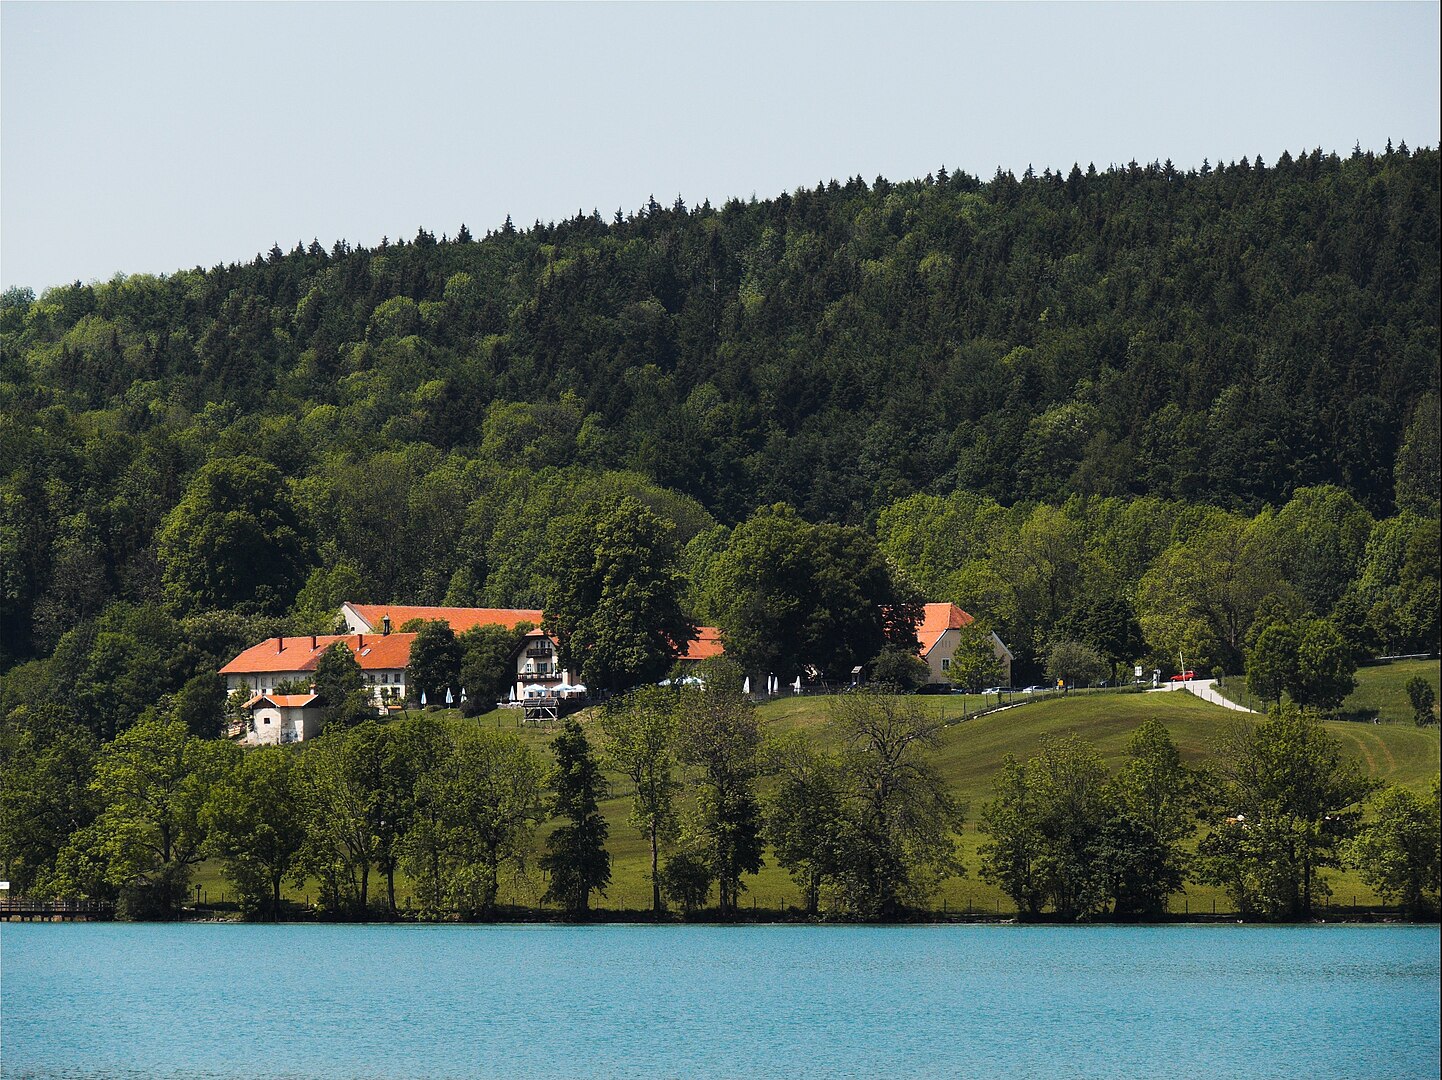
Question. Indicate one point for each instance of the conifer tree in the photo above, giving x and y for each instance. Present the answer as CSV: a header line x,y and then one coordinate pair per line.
x,y
576,857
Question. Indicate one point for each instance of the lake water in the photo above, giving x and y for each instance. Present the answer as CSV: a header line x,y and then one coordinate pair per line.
x,y
111,1000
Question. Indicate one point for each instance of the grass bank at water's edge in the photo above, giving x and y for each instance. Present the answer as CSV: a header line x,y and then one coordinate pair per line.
x,y
971,752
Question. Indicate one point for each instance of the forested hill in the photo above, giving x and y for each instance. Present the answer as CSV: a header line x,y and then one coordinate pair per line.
x,y
1226,335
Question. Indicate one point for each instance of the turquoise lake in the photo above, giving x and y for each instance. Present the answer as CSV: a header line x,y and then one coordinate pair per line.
x,y
111,1000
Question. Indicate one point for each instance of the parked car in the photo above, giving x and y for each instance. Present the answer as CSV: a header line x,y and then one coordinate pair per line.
x,y
998,690
1183,676
1037,689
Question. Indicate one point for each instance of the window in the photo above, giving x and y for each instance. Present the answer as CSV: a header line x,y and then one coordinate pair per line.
x,y
946,663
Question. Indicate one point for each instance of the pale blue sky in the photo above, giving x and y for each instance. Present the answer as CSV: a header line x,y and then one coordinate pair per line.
x,y
154,137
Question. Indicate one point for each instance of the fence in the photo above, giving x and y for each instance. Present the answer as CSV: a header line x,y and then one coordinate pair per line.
x,y
23,907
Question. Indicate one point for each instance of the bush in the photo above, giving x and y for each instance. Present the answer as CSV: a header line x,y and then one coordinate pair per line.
x,y
1420,693
686,881
900,667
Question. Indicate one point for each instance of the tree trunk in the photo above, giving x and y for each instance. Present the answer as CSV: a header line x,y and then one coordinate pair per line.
x,y
275,898
1307,884
391,886
656,909
365,889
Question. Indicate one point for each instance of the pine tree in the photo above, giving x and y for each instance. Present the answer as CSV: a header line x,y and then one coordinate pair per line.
x,y
576,857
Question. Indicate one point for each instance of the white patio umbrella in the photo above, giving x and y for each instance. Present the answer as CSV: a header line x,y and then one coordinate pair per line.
x,y
579,688
423,697
797,685
534,689
746,685
564,688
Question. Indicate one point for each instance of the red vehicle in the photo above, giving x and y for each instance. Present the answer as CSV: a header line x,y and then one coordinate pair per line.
x,y
1185,676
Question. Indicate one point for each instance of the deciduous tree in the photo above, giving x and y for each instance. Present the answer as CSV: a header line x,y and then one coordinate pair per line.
x,y
641,744
1399,853
1284,803
805,816
899,839
435,664
257,819
1151,814
790,595
614,606
152,781
235,538
974,664
719,735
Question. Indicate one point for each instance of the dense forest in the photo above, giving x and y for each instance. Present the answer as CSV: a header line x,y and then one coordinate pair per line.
x,y
1207,399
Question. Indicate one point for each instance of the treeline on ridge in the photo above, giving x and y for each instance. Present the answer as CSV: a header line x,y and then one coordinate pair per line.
x,y
1183,348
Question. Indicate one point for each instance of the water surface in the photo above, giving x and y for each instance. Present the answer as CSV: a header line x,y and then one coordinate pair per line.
x,y
217,1001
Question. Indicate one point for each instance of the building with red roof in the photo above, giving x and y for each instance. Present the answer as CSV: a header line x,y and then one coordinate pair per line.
x,y
280,719
382,659
383,618
937,636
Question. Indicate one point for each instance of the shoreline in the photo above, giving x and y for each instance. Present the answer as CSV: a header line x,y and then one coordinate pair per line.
x,y
1378,918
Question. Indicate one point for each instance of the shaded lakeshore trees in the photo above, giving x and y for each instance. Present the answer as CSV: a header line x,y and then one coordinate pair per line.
x,y
1399,852
152,781
576,857
898,834
641,731
1062,831
719,737
870,828
1283,804
257,818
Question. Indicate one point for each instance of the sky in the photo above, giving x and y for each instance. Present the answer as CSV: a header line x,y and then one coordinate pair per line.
x,y
149,138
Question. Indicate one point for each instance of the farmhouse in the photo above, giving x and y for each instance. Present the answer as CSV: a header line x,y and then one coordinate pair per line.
x,y
278,660
937,636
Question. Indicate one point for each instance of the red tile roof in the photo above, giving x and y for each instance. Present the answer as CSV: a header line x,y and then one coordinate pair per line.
x,y
284,701
460,619
936,620
374,652
706,645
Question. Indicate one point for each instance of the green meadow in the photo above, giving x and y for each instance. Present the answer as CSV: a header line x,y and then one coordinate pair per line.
x,y
972,750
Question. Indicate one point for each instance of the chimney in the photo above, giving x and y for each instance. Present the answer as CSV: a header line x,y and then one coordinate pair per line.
x,y
360,642
312,643
280,643
385,625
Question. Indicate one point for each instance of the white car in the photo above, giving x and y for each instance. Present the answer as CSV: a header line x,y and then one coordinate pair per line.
x,y
1036,689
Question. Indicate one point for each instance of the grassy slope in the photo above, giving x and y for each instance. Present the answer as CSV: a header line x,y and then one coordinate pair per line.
x,y
1381,690
970,754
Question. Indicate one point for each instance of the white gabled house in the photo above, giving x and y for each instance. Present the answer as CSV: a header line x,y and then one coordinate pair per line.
x,y
279,719
937,635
